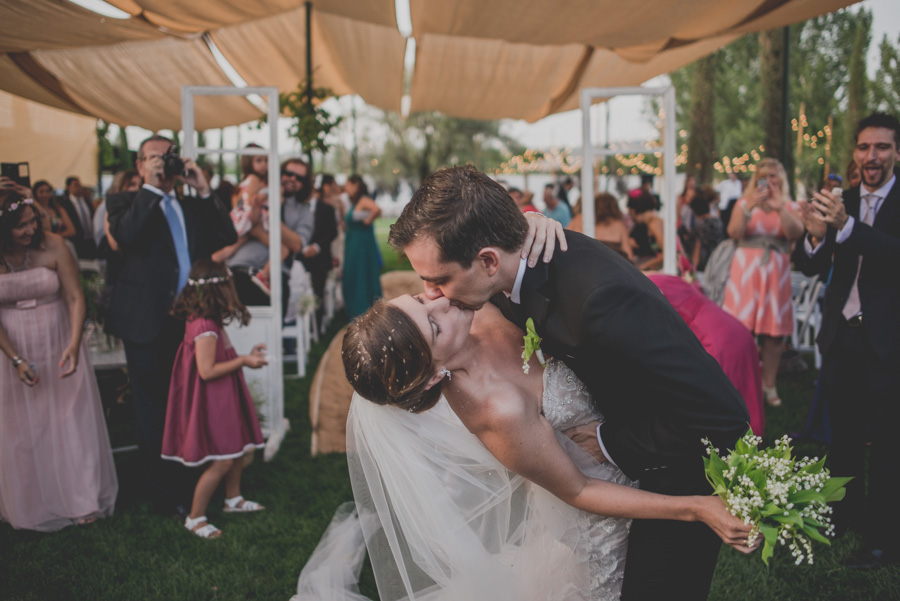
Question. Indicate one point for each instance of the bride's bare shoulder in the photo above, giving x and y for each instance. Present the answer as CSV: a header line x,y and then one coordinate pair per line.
x,y
491,408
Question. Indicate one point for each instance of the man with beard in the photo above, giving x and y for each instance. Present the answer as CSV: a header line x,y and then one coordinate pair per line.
x,y
859,237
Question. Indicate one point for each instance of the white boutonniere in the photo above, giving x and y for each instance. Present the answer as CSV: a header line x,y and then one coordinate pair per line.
x,y
532,345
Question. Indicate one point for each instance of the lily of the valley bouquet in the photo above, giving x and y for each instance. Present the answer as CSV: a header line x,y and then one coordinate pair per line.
x,y
784,498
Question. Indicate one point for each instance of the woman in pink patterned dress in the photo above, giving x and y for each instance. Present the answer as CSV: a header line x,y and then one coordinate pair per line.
x,y
765,223
56,467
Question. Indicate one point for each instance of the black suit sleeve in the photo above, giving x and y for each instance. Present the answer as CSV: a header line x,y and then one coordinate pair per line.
x,y
214,219
820,262
686,396
129,215
326,230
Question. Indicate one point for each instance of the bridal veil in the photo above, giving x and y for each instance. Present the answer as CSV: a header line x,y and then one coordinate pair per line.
x,y
444,520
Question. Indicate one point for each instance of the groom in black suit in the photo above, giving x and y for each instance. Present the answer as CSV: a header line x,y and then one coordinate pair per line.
x,y
159,236
858,237
659,390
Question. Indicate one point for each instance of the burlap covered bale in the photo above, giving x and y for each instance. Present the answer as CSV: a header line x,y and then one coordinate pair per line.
x,y
330,394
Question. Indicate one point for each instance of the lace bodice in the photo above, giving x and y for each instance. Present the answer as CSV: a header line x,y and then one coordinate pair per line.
x,y
566,403
566,400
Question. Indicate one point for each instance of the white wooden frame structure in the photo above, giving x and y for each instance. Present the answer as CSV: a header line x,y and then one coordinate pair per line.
x,y
591,152
266,384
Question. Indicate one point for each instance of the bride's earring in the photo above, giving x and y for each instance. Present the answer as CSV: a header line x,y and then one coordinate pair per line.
x,y
445,373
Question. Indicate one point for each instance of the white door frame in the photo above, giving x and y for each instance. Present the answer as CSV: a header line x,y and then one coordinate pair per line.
x,y
590,152
266,384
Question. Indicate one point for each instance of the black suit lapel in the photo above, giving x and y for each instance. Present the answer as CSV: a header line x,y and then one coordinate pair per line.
x,y
889,207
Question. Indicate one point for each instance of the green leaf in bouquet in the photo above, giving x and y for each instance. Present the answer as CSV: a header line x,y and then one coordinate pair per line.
x,y
813,533
758,477
793,518
741,447
814,468
770,537
805,496
717,465
834,490
770,509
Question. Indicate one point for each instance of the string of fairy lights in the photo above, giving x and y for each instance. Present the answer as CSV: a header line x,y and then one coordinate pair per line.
x,y
562,160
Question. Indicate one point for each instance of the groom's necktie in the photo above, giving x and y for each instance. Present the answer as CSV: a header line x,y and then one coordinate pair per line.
x,y
180,240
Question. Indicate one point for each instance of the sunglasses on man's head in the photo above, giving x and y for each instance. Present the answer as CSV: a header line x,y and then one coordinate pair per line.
x,y
293,175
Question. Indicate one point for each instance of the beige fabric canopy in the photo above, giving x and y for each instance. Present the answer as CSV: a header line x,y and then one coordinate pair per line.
x,y
55,143
504,58
526,59
130,71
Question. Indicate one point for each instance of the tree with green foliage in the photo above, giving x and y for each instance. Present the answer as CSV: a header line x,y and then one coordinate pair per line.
x,y
425,141
310,122
827,76
702,140
886,86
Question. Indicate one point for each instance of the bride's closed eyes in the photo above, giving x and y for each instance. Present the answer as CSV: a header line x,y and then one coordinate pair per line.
x,y
434,324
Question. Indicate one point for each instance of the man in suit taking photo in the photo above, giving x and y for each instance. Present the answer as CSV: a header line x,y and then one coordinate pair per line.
x,y
857,236
160,235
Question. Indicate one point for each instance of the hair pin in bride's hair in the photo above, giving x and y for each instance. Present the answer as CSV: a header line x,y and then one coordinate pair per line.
x,y
445,373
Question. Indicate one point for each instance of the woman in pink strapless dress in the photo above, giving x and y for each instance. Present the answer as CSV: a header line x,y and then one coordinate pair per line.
x,y
56,467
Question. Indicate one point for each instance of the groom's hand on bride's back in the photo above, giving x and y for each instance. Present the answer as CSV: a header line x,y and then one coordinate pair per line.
x,y
585,436
543,233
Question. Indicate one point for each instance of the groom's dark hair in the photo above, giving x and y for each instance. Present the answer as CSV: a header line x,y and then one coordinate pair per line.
x,y
463,211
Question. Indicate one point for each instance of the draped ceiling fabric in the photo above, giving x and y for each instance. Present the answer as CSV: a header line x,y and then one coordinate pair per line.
x,y
130,71
526,59
55,143
504,58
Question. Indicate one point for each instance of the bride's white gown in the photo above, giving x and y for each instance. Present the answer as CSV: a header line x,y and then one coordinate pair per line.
x,y
444,520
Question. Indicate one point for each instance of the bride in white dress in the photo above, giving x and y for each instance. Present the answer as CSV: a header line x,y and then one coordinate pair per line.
x,y
464,485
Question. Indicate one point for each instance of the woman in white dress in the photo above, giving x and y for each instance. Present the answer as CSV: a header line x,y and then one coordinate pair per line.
x,y
465,487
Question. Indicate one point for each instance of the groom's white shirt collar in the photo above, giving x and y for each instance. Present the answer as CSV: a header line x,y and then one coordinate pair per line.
x,y
516,294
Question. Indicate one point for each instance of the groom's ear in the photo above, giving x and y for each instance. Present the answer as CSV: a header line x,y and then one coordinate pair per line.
x,y
489,257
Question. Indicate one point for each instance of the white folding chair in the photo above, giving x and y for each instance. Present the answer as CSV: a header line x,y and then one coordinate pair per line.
x,y
807,313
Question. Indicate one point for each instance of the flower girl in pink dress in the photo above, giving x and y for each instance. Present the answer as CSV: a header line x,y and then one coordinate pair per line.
x,y
210,417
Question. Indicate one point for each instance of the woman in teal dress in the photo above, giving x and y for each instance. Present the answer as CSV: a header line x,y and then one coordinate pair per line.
x,y
361,280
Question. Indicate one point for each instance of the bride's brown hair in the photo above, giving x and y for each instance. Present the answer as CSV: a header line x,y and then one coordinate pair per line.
x,y
388,361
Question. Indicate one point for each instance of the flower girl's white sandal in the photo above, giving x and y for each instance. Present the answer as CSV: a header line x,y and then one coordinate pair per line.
x,y
239,504
205,531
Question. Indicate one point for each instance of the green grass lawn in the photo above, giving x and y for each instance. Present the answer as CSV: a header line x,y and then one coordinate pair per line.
x,y
392,260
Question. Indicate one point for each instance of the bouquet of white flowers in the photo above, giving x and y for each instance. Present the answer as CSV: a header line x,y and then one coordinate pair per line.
x,y
785,499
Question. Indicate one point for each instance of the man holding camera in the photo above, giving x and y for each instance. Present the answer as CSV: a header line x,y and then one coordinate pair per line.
x,y
160,234
857,235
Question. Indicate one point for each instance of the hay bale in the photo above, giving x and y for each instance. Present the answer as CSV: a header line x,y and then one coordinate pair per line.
x,y
397,283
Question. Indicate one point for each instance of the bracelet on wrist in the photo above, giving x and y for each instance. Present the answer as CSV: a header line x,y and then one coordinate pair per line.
x,y
17,361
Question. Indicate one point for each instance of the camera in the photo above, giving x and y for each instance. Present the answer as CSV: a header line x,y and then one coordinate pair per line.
x,y
18,172
762,182
172,163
